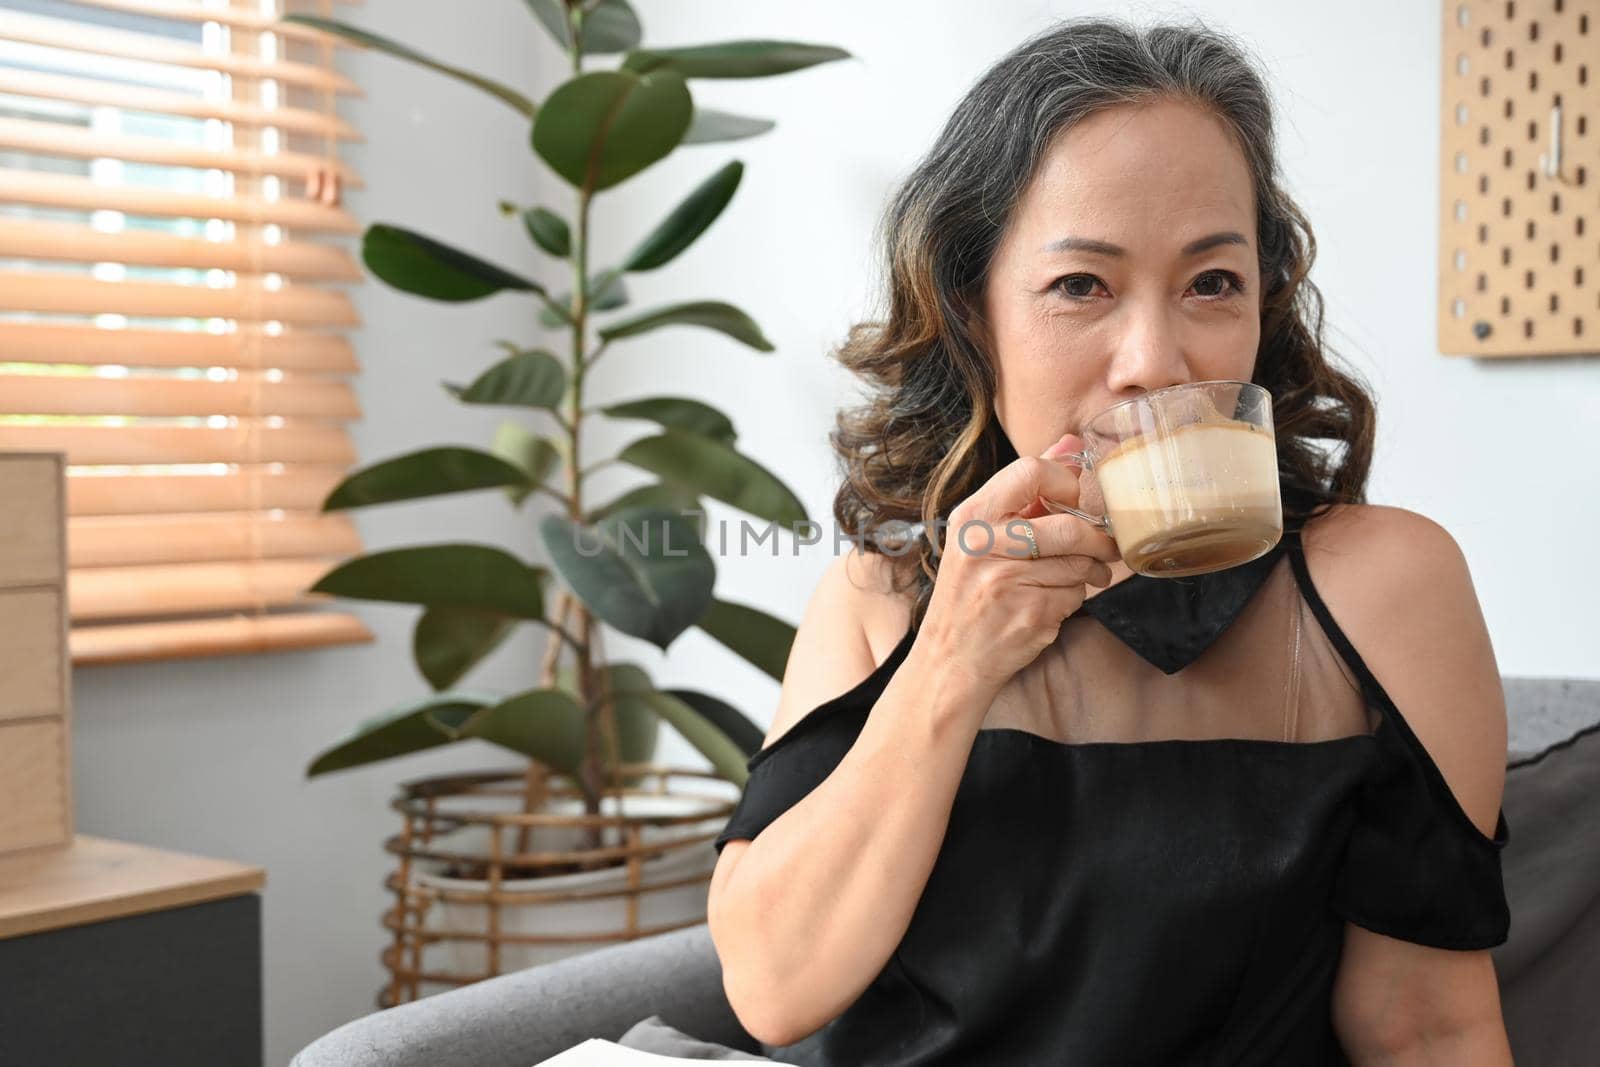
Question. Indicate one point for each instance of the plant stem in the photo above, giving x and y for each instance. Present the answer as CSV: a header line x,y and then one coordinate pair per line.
x,y
592,779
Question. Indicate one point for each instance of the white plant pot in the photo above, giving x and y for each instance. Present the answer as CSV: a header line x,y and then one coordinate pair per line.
x,y
607,915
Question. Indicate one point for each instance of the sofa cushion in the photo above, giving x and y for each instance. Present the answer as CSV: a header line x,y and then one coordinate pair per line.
x,y
1550,966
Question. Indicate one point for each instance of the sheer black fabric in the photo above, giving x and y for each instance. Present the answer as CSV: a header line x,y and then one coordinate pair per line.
x,y
1163,825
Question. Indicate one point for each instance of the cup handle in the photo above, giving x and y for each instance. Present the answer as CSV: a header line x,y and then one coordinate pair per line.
x,y
1100,521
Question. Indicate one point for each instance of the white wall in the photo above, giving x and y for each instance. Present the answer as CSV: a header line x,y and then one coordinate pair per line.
x,y
209,756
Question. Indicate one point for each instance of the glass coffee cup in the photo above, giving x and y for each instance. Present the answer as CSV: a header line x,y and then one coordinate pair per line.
x,y
1188,476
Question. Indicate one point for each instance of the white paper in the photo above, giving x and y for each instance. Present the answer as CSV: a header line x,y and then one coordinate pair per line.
x,y
597,1052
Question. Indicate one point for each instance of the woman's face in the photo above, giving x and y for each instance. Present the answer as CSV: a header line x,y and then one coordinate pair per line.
x,y
1129,264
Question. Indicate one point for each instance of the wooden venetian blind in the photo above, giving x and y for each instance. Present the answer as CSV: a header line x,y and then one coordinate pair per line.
x,y
172,253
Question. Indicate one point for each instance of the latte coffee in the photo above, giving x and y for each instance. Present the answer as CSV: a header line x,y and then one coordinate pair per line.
x,y
1197,498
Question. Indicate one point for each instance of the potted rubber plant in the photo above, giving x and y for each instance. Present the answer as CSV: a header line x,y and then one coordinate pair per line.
x,y
586,727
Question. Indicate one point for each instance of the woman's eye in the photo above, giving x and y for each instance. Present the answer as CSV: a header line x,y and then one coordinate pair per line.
x,y
1227,283
1077,286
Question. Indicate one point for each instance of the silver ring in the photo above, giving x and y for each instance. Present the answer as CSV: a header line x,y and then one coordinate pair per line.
x,y
1033,542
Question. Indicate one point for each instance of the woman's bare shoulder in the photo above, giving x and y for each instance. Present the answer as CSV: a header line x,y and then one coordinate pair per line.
x,y
1398,585
852,622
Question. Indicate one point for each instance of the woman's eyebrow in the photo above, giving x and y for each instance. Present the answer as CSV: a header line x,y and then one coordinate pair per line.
x,y
1105,248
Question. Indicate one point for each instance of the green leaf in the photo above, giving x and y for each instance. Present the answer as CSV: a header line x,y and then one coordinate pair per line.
x,y
449,575
755,636
423,724
726,757
679,499
719,471
687,221
414,263
549,231
712,314
730,720
642,570
709,125
638,726
533,379
733,59
400,51
542,724
603,127
429,472
677,413
449,642
532,454
610,27
606,292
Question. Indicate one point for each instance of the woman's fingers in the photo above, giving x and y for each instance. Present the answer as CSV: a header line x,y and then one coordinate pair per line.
x,y
1062,535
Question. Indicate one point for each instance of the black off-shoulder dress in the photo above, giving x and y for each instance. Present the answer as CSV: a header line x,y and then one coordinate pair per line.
x,y
1162,829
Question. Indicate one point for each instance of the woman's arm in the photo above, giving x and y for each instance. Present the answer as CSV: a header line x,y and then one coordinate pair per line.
x,y
808,913
1399,586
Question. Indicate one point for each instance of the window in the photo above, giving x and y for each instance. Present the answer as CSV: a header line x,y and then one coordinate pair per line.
x,y
172,253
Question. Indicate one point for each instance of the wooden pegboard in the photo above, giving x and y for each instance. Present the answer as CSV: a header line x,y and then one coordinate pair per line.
x,y
1519,246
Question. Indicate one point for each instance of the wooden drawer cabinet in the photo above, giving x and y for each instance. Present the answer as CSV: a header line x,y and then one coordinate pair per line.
x,y
33,781
35,723
31,671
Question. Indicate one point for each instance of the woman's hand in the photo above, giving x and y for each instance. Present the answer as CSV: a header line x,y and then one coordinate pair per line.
x,y
994,608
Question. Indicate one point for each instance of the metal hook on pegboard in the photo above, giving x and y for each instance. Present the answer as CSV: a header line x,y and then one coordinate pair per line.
x,y
1550,163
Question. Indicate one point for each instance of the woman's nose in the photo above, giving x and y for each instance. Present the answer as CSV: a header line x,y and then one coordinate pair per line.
x,y
1148,356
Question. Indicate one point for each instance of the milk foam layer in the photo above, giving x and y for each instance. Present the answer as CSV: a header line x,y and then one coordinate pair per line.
x,y
1200,466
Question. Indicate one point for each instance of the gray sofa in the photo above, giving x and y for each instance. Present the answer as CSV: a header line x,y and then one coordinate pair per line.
x,y
1548,970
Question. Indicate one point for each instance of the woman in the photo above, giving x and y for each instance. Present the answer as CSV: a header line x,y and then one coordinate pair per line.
x,y
1039,811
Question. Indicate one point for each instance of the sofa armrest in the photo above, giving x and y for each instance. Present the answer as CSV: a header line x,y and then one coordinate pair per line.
x,y
518,1019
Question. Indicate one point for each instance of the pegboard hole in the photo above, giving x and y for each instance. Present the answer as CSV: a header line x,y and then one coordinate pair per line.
x,y
1505,306
1527,327
1460,260
1583,125
1558,52
1533,131
1583,74
1511,59
1458,308
1463,15
1483,283
1463,65
1577,226
1577,327
1487,37
1583,175
1583,24
1533,81
1483,234
1483,86
1505,158
1483,185
1483,135
1533,31
1461,163
1505,207
1555,203
1527,279
1533,181
1511,108
1555,303
1530,230
1462,115
1461,210
1555,253
1505,256
1511,9
1577,277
